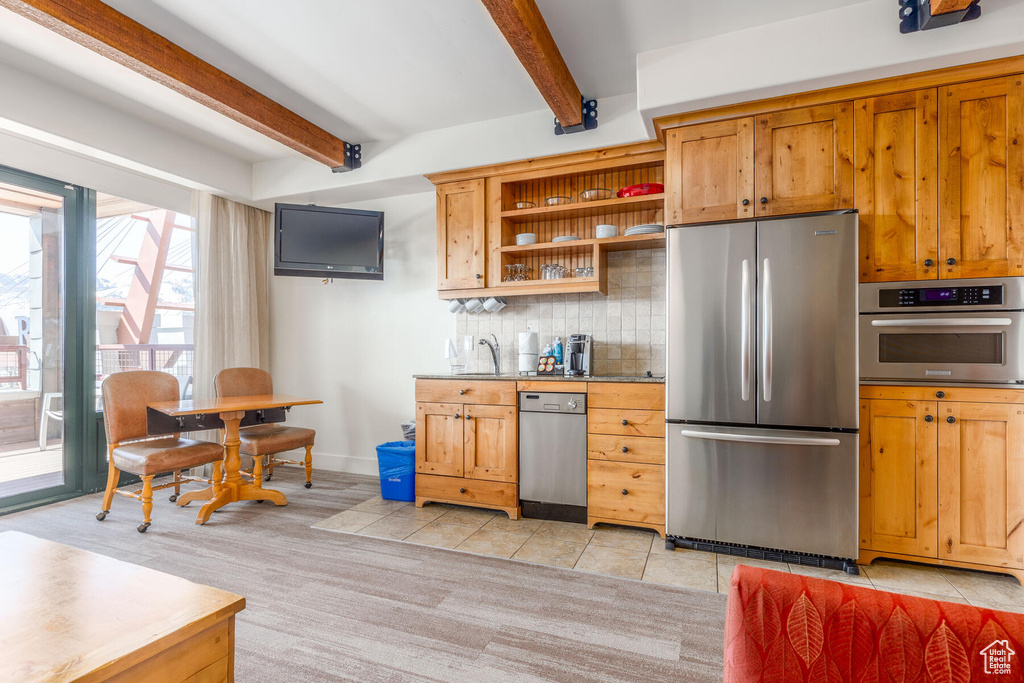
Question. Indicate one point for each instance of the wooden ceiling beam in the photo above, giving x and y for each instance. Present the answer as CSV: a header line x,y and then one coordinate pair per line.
x,y
947,6
106,31
521,23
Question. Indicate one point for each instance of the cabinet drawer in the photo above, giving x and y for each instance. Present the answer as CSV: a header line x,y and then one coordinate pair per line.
x,y
639,396
637,448
480,392
644,486
626,422
467,491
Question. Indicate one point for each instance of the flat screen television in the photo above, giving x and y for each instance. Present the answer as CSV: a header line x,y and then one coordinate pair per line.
x,y
319,241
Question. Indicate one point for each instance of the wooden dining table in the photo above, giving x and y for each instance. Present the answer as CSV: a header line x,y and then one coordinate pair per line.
x,y
226,414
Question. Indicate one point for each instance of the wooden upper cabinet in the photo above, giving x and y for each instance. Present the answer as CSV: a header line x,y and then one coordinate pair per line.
x,y
460,235
981,483
709,172
981,178
803,160
491,443
896,182
439,439
899,477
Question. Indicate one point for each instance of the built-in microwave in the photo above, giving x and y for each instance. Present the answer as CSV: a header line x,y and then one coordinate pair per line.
x,y
956,331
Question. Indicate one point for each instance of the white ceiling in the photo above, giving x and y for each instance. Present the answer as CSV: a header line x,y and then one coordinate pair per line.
x,y
371,70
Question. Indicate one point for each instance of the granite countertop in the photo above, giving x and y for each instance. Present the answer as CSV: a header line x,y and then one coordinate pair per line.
x,y
544,378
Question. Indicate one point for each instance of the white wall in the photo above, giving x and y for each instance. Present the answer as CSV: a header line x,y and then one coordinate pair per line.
x,y
356,344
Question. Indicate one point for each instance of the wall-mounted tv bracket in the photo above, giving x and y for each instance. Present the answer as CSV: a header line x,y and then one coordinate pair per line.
x,y
589,119
353,158
916,15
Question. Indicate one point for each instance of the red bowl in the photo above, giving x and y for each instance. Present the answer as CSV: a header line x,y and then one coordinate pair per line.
x,y
641,189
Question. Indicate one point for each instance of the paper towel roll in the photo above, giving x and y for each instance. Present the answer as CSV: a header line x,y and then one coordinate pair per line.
x,y
528,343
528,362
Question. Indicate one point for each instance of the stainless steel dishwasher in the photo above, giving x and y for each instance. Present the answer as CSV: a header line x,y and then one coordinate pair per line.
x,y
553,455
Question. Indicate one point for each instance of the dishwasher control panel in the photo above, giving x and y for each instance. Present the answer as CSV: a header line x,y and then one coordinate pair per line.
x,y
552,402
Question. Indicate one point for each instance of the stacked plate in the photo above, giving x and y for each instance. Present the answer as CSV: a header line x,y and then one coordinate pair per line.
x,y
646,229
565,238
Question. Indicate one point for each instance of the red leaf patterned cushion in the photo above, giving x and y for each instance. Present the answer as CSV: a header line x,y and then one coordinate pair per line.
x,y
786,627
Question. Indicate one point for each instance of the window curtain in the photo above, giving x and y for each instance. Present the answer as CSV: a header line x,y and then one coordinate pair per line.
x,y
232,309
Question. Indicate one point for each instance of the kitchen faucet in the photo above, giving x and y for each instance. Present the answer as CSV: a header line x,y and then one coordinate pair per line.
x,y
494,353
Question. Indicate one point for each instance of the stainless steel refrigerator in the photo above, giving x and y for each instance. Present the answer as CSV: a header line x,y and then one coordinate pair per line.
x,y
763,384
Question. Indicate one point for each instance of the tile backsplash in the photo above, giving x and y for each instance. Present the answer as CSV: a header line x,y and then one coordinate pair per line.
x,y
628,325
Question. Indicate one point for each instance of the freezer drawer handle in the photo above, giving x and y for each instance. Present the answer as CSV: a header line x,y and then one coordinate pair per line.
x,y
942,322
750,438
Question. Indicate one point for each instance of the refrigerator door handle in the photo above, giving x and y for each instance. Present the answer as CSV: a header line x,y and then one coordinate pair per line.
x,y
751,438
766,349
745,345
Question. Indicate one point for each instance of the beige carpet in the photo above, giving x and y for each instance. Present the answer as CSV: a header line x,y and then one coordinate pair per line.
x,y
340,607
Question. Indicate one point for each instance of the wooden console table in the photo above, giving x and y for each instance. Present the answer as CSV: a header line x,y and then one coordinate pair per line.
x,y
72,615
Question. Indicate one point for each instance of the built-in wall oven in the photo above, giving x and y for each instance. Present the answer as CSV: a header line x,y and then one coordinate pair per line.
x,y
957,331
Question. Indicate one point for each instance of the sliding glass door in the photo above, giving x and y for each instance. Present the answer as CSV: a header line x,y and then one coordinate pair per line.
x,y
44,433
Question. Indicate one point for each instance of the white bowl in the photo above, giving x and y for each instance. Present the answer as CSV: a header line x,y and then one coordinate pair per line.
x,y
603,231
526,238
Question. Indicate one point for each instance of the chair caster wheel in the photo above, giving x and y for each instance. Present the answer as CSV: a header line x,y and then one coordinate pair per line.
x,y
267,478
142,527
102,515
173,498
308,484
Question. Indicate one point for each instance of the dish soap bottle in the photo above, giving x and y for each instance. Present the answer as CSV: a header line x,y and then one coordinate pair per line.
x,y
556,350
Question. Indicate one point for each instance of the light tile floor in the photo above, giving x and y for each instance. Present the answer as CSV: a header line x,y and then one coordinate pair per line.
x,y
640,554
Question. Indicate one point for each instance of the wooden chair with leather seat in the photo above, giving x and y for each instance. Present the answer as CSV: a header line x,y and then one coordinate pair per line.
x,y
130,448
266,439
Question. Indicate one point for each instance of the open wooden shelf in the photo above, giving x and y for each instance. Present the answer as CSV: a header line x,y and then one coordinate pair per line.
x,y
620,243
604,207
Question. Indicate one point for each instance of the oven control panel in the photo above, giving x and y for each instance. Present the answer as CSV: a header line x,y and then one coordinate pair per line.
x,y
941,296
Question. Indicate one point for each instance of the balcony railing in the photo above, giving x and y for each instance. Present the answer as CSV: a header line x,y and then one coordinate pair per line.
x,y
14,367
175,359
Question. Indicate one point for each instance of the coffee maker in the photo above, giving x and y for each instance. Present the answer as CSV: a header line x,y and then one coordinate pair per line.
x,y
578,355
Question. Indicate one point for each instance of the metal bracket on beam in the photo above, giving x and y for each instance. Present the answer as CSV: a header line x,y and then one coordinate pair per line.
x,y
916,15
589,108
353,158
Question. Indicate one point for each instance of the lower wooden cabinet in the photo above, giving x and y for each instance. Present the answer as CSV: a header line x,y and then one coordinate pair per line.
x,y
942,480
467,453
626,455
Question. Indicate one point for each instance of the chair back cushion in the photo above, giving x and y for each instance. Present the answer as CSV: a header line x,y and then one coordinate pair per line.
x,y
787,627
125,396
243,382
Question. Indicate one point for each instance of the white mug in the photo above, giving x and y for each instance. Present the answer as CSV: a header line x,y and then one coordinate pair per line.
x,y
474,305
456,306
495,304
526,238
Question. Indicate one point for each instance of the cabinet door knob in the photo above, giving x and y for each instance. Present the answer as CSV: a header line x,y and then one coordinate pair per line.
x,y
468,416
928,418
462,392
479,276
462,490
950,419
940,394
746,202
951,261
625,492
457,416
764,200
625,449
929,262
625,422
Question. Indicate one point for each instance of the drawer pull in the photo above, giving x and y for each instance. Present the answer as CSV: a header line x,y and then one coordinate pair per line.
x,y
462,392
625,422
625,449
625,492
950,419
462,490
928,418
940,394
457,416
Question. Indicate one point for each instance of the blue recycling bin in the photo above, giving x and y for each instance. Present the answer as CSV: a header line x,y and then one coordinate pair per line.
x,y
396,461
